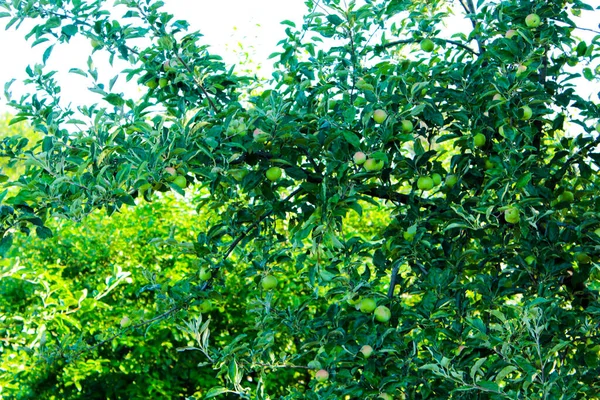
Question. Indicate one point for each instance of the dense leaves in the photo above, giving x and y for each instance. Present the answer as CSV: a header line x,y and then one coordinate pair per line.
x,y
491,274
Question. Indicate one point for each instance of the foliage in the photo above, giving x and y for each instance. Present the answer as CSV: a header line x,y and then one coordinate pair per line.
x,y
491,278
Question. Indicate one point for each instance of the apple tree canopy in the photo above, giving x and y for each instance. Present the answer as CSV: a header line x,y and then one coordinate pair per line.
x,y
475,218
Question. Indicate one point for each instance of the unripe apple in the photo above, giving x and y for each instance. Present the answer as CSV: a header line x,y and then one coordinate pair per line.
x,y
152,84
512,215
527,112
583,258
269,282
489,164
425,183
260,136
385,396
521,69
529,259
479,140
273,174
436,178
407,126
163,82
408,236
566,197
427,45
598,127
171,174
205,274
379,116
322,375
359,158
180,181
366,351
383,314
367,305
533,20
451,180
511,33
205,306
373,165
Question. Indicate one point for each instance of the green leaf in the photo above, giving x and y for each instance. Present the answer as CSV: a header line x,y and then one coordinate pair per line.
x,y
335,19
214,392
5,244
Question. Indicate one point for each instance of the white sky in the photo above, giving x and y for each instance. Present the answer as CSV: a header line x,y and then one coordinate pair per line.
x,y
224,23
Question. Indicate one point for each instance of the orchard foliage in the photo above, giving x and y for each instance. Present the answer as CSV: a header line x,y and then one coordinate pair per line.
x,y
475,219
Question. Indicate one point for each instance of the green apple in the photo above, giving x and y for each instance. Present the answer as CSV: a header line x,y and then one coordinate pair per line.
x,y
163,82
479,140
427,45
273,174
366,351
436,178
260,136
511,33
125,322
583,258
407,126
379,116
322,375
170,174
527,112
359,158
489,164
363,85
533,20
512,215
314,364
269,282
152,83
180,181
408,236
205,306
597,231
205,274
367,305
383,314
566,197
598,127
385,396
451,180
373,165
529,259
425,183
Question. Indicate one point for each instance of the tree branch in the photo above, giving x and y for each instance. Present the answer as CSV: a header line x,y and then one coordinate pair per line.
x,y
438,40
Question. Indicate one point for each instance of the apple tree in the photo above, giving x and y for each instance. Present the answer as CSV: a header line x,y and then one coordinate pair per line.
x,y
431,195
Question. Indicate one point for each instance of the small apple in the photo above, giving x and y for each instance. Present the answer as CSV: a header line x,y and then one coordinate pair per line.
x,y
383,314
597,231
260,136
367,305
171,174
527,113
322,376
379,116
529,259
533,20
521,69
583,258
598,127
512,215
408,236
205,274
180,181
314,364
427,45
479,140
566,197
436,178
407,126
205,306
273,174
163,82
511,33
125,322
425,183
359,158
373,165
451,180
385,396
152,84
366,351
269,282
489,164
